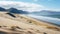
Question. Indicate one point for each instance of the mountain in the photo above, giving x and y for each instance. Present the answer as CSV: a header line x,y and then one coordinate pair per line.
x,y
2,9
46,12
16,11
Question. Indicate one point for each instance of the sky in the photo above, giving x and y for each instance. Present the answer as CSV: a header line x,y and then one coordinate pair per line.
x,y
32,5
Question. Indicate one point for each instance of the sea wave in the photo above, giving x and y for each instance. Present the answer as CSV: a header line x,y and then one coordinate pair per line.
x,y
47,19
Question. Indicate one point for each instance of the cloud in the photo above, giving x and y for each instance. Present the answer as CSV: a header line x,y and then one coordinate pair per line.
x,y
21,5
5,0
24,6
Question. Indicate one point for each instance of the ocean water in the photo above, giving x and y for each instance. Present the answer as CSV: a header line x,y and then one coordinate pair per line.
x,y
54,16
50,19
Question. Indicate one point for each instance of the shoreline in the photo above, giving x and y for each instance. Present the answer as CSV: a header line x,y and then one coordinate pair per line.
x,y
43,22
24,24
46,22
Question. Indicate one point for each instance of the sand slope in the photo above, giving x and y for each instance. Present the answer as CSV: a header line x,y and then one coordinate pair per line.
x,y
10,25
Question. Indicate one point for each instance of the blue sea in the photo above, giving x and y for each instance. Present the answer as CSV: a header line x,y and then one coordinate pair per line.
x,y
54,20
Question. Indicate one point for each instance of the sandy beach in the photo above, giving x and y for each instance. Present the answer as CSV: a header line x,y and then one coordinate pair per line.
x,y
25,25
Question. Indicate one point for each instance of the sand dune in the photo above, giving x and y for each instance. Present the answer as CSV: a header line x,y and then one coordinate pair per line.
x,y
22,25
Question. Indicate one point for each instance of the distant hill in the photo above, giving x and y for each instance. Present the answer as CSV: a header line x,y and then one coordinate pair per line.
x,y
16,11
46,12
2,9
13,10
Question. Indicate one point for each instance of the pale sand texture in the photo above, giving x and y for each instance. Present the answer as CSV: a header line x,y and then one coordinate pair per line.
x,y
9,25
